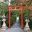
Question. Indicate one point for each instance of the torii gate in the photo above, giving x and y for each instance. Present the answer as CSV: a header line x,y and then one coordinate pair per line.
x,y
20,8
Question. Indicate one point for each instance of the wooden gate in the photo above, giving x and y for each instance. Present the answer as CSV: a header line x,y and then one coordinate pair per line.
x,y
20,9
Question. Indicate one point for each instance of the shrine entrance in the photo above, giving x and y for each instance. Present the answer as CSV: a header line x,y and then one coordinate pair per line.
x,y
20,9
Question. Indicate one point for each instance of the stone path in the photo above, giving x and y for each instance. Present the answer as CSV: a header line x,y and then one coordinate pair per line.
x,y
15,28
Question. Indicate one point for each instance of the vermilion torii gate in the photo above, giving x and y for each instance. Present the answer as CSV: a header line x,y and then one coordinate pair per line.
x,y
21,9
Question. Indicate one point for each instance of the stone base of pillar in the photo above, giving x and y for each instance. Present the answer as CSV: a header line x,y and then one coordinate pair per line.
x,y
4,28
27,29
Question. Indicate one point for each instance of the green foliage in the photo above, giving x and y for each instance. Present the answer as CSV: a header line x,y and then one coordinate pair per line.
x,y
16,13
3,8
26,13
13,2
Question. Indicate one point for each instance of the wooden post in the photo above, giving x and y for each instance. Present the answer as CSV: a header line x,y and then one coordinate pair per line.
x,y
22,20
9,14
22,17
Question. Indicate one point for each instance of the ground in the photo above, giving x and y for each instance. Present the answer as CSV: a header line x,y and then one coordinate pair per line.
x,y
14,28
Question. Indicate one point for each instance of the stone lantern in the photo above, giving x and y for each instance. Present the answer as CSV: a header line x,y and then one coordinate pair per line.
x,y
4,24
27,29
